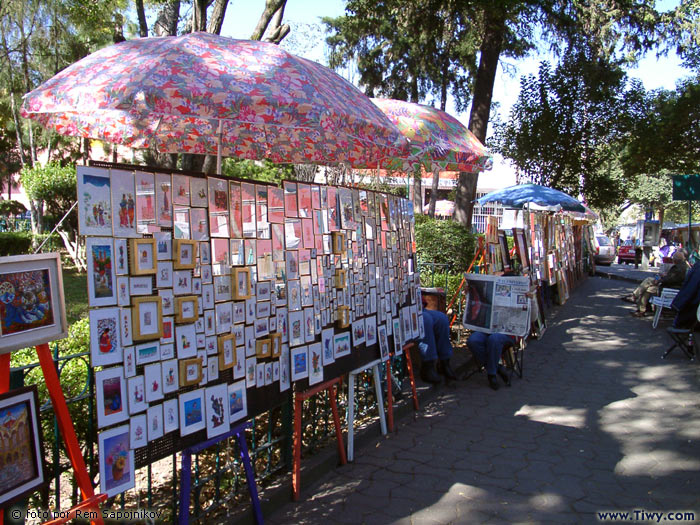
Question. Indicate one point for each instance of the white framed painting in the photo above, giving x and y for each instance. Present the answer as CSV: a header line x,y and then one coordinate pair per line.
x,y
341,344
191,411
383,342
94,201
153,379
123,203
167,301
110,387
117,472
198,192
315,363
105,345
171,372
260,375
358,332
147,352
396,332
138,431
371,330
136,394
154,418
125,327
164,274
123,294
327,346
237,401
186,340
121,259
285,369
217,410
250,371
101,276
296,328
141,285
129,361
170,416
300,362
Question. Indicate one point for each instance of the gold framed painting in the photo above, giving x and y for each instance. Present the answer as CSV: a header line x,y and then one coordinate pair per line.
x,y
142,256
186,309
340,276
275,345
184,254
241,283
343,317
190,371
263,348
227,351
147,318
338,243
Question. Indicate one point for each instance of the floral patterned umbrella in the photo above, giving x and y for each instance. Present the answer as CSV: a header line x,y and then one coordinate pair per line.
x,y
437,141
189,94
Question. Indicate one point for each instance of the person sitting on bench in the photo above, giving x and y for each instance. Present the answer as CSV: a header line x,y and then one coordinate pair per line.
x,y
436,345
487,349
652,285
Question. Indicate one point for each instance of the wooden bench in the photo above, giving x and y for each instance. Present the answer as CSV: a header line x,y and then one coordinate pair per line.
x,y
662,301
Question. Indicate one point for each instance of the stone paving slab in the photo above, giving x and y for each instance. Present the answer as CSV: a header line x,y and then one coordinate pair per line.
x,y
599,422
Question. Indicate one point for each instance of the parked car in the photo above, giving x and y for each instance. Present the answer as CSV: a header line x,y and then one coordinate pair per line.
x,y
626,253
604,250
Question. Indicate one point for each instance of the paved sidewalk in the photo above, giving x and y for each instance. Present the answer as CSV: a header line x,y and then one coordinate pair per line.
x,y
599,422
625,272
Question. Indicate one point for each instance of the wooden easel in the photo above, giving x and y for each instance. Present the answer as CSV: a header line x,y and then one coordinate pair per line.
x,y
65,425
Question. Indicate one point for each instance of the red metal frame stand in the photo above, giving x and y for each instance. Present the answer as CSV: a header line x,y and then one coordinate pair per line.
x,y
409,365
299,398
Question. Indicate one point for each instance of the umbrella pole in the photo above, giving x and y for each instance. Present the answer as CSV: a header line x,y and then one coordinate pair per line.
x,y
219,132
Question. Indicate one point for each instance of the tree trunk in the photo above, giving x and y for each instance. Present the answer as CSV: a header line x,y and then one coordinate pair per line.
x,y
36,209
418,192
166,23
481,107
75,249
141,14
433,194
18,130
199,15
271,7
277,30
217,17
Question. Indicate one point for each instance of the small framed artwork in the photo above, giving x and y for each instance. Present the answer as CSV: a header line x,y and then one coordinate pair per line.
x,y
129,362
123,203
340,278
190,371
239,312
300,362
315,364
262,310
222,288
164,275
262,327
138,435
341,344
125,327
227,349
275,345
396,332
224,316
212,370
186,309
164,199
116,461
147,315
186,340
191,411
95,202
383,343
250,371
167,301
105,347
260,375
199,224
285,369
237,401
164,246
217,410
153,379
100,270
241,283
171,376
154,421
136,392
296,328
343,317
123,294
147,352
198,192
141,285
168,330
181,223
338,243
182,282
263,348
327,344
170,416
121,261
143,256
181,190
371,330
184,254
263,290
110,387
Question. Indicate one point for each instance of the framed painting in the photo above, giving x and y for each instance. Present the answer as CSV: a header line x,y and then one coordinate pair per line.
x,y
300,362
143,256
186,309
227,351
190,371
263,348
241,283
236,217
121,261
123,203
105,340
184,254
110,389
198,192
181,223
275,205
136,392
217,410
304,195
100,271
141,285
186,340
145,202
248,210
315,364
181,190
31,290
138,435
154,418
94,201
153,379
199,224
171,376
237,401
116,461
22,471
341,344
164,246
164,200
261,219
147,352
171,420
191,405
147,316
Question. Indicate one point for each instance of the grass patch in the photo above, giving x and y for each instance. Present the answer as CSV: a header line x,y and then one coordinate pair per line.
x,y
75,289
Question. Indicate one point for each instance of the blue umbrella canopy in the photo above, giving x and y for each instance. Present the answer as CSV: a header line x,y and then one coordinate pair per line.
x,y
541,196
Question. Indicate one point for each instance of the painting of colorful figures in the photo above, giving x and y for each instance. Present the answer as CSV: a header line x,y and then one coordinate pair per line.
x,y
101,271
25,301
116,461
123,203
21,469
94,201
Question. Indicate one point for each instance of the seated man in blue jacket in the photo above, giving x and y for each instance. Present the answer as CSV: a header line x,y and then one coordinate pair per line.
x,y
688,298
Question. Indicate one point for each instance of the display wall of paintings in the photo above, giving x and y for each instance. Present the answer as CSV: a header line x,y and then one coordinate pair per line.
x,y
218,289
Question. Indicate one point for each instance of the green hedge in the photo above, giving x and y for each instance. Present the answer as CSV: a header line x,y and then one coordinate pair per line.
x,y
15,243
444,242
